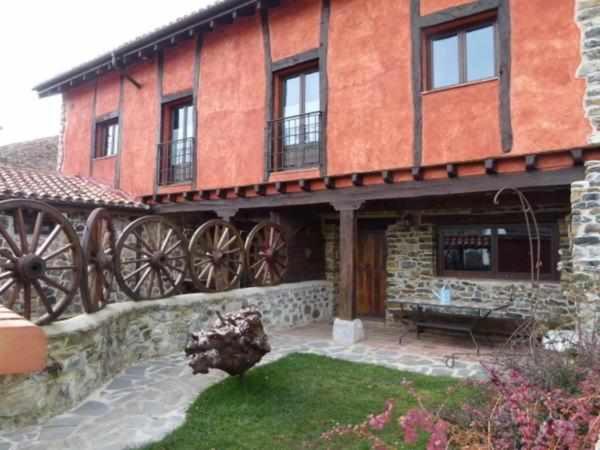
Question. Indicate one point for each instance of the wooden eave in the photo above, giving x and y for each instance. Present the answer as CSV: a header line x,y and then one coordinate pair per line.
x,y
552,169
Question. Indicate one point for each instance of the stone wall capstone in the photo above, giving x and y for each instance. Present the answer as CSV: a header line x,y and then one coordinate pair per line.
x,y
91,349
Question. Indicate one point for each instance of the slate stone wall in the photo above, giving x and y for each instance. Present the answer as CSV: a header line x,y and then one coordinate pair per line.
x,y
91,349
588,19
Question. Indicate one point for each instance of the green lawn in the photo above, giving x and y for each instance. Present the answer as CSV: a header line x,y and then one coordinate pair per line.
x,y
289,403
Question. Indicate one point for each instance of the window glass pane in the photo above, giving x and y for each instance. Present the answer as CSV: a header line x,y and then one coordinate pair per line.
x,y
292,97
312,100
513,250
480,54
444,59
467,249
189,121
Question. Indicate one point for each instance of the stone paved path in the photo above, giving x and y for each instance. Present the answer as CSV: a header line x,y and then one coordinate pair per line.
x,y
147,401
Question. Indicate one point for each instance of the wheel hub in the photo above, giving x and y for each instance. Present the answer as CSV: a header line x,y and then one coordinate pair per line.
x,y
31,266
158,259
217,256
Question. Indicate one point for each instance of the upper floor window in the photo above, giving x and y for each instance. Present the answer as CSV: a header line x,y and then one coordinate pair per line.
x,y
296,134
461,55
176,152
107,138
500,251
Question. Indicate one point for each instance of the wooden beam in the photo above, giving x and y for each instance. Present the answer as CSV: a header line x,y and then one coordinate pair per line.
x,y
387,176
280,186
346,301
222,193
417,173
530,163
451,170
357,179
329,182
490,166
259,189
304,185
577,156
239,191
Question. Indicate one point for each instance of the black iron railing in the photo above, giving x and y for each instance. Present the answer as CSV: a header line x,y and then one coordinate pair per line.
x,y
176,161
296,142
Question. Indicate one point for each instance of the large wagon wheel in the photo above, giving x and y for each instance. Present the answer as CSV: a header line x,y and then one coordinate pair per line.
x,y
98,246
40,268
217,256
150,258
267,253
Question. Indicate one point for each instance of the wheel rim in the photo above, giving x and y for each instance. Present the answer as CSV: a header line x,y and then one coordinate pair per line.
x,y
151,258
40,268
217,256
267,253
98,249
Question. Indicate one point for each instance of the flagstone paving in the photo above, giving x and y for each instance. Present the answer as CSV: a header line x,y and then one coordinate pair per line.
x,y
147,401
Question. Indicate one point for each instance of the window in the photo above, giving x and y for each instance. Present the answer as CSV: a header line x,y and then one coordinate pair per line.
x,y
107,138
296,134
178,146
459,56
500,251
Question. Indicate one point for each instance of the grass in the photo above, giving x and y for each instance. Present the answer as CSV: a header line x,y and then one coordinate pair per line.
x,y
288,405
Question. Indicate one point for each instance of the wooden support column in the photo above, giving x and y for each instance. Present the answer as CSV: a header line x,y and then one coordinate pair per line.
x,y
346,301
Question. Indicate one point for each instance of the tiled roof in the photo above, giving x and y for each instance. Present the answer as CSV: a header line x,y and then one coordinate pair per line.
x,y
35,154
54,187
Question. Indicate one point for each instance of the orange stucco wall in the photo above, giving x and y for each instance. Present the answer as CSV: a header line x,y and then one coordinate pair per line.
x,y
370,117
547,99
461,124
178,72
107,94
232,106
103,170
431,6
294,27
370,97
139,122
79,104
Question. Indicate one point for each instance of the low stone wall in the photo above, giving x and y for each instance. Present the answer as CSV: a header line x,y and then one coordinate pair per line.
x,y
93,348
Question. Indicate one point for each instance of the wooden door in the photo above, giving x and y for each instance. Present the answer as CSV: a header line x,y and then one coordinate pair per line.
x,y
372,274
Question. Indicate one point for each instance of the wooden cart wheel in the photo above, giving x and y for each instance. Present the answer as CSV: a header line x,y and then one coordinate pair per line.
x,y
217,256
98,246
40,264
267,253
151,258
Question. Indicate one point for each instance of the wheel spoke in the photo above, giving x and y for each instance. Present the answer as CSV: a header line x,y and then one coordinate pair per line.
x,y
55,253
9,240
151,284
229,242
166,240
134,261
144,243
172,248
27,301
223,237
210,275
136,271
57,229
170,278
142,279
6,285
20,224
161,286
43,297
14,295
37,230
175,268
5,275
61,268
54,284
139,249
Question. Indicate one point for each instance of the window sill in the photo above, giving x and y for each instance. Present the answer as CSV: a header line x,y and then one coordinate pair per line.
x,y
462,85
490,280
104,158
175,184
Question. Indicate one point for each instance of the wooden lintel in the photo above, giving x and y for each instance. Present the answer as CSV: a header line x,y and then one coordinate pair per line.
x,y
304,185
239,191
259,189
388,176
417,173
280,187
357,179
490,166
530,163
329,182
577,156
451,170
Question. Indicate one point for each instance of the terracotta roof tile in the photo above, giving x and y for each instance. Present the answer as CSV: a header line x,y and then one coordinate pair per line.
x,y
54,186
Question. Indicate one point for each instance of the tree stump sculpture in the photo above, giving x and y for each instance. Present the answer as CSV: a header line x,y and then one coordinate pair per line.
x,y
236,343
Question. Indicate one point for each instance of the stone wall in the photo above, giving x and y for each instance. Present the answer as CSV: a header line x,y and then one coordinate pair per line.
x,y
588,19
585,286
411,267
93,348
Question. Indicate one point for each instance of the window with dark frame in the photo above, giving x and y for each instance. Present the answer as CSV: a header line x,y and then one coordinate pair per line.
x,y
495,251
107,138
176,151
461,54
296,133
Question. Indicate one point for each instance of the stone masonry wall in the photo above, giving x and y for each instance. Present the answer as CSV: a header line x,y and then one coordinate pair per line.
x,y
585,287
588,19
91,349
412,277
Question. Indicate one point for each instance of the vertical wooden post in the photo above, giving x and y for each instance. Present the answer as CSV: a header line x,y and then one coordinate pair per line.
x,y
346,301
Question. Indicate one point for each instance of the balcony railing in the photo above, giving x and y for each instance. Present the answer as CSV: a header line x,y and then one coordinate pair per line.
x,y
176,161
296,142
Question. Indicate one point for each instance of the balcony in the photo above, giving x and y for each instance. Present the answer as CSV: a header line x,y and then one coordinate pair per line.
x,y
296,142
176,161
